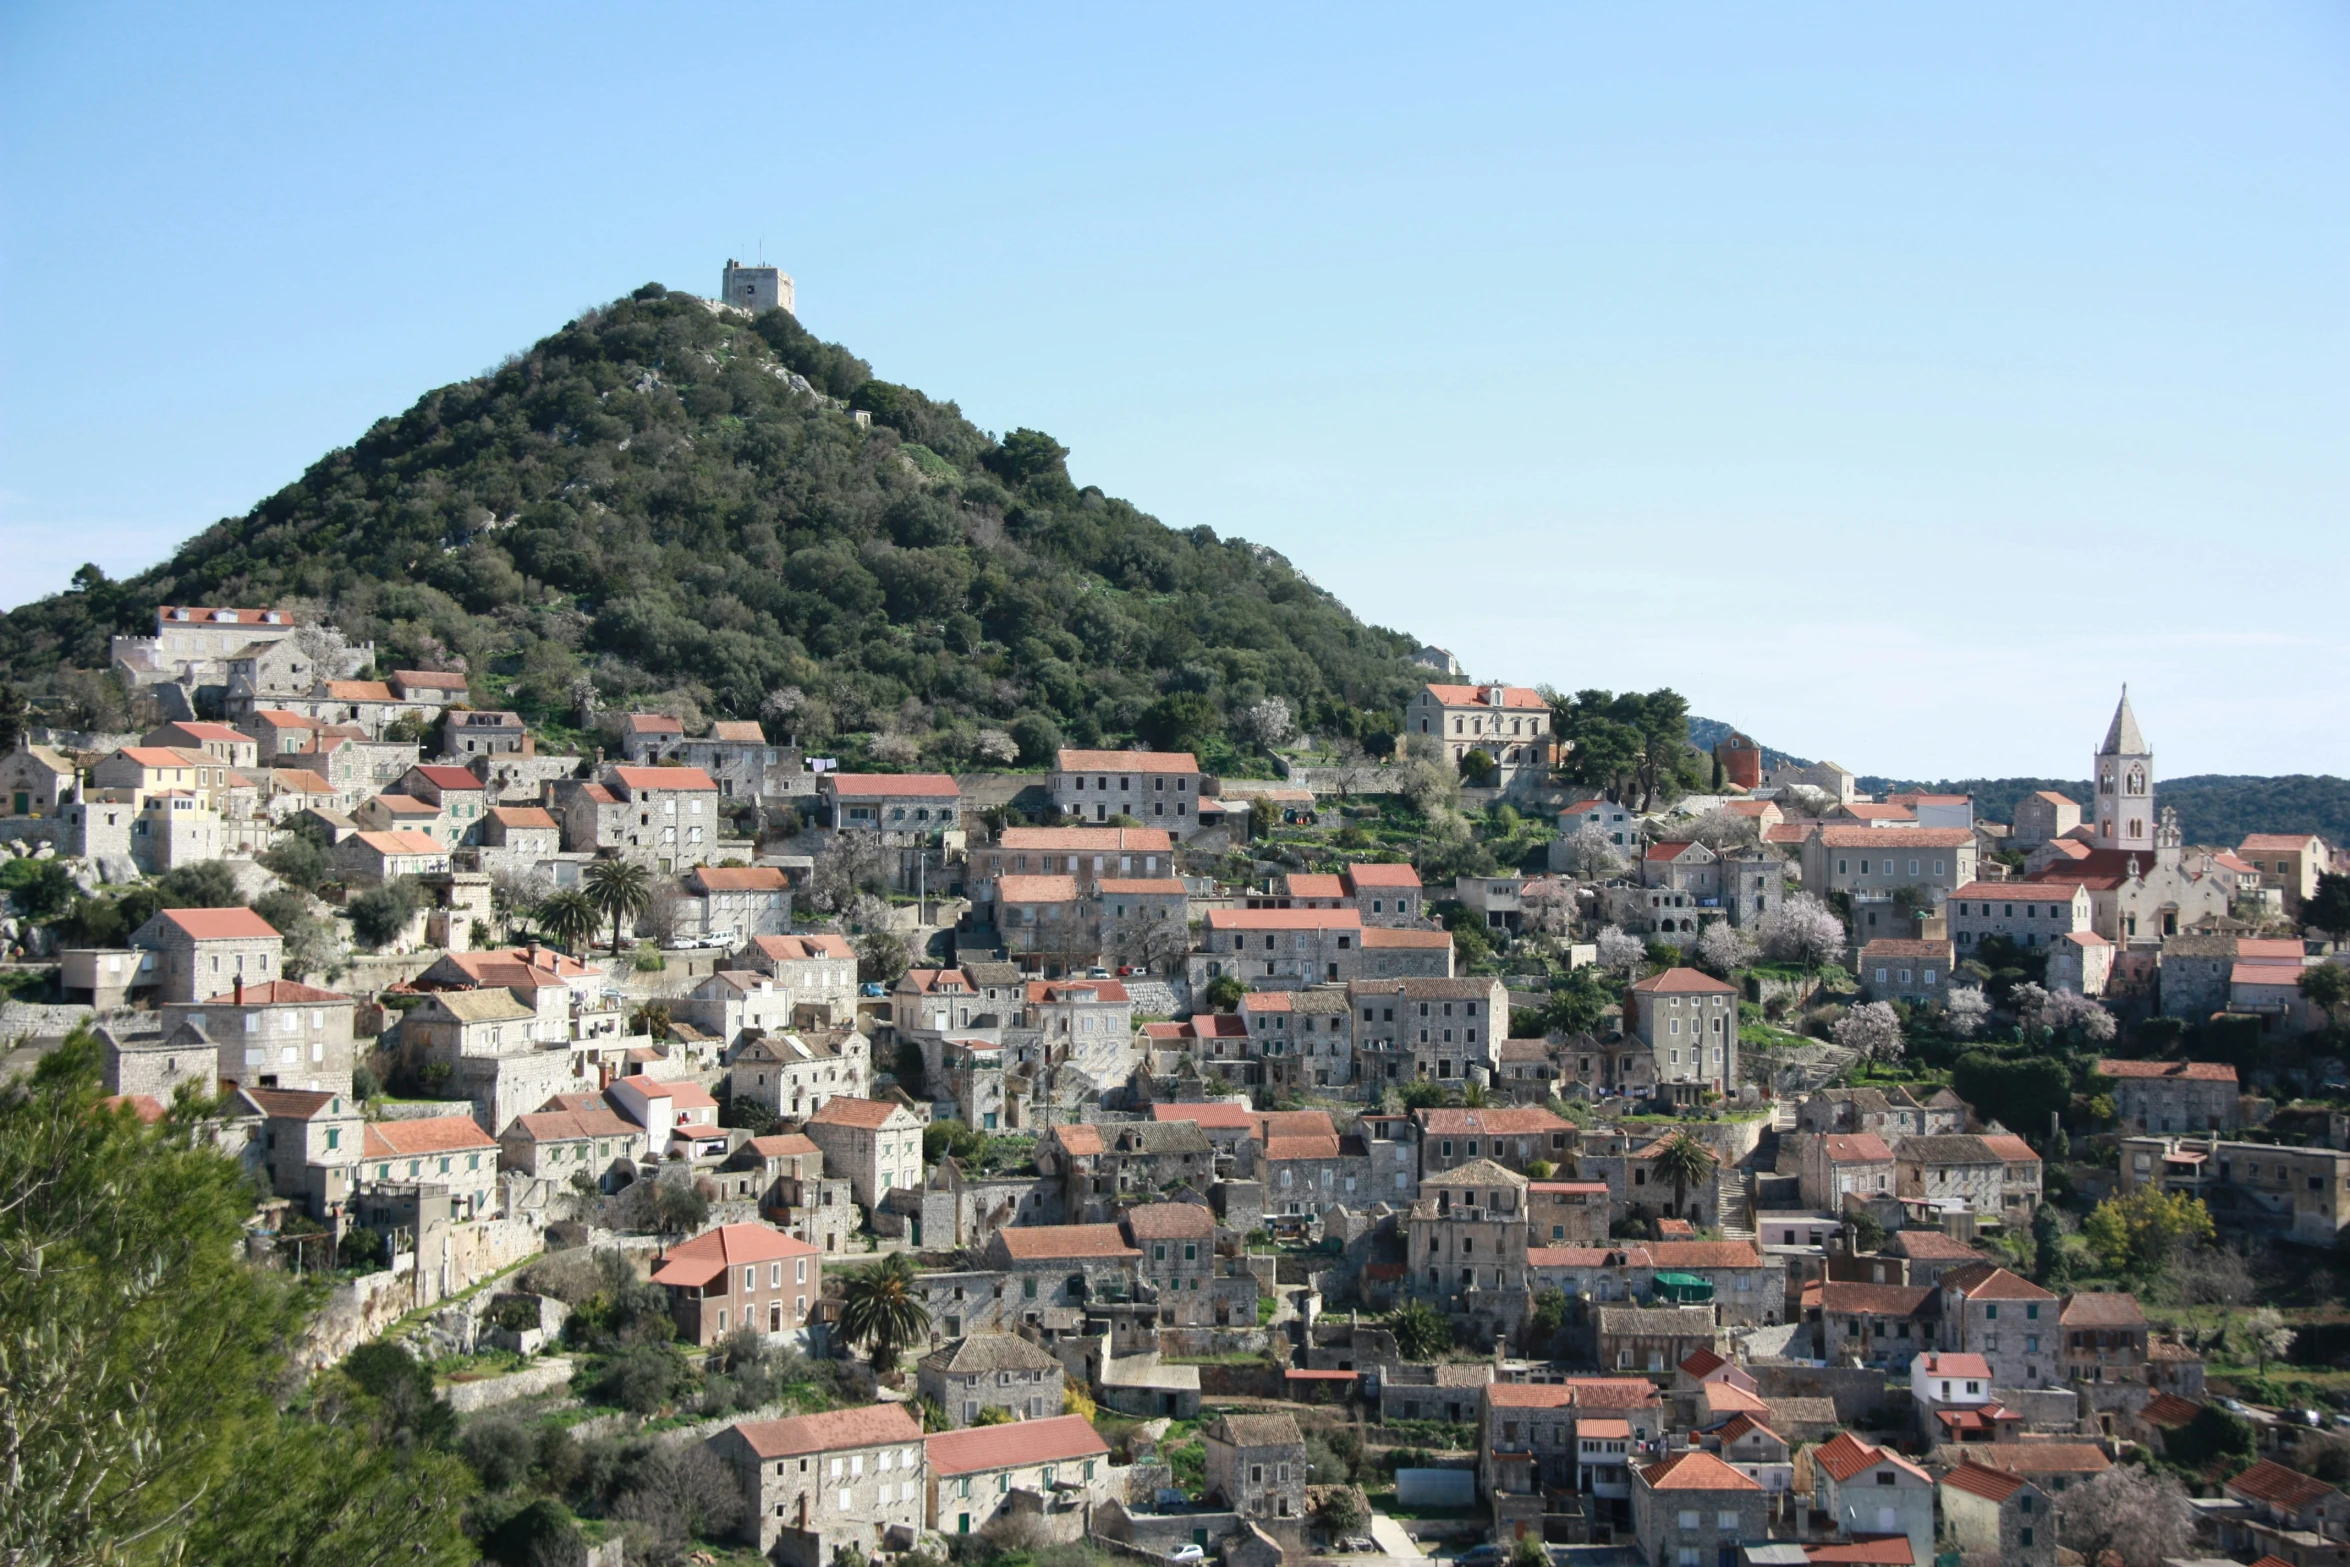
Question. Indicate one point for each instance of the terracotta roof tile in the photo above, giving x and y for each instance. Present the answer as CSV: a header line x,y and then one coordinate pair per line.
x,y
1696,1471
873,1426
1060,1439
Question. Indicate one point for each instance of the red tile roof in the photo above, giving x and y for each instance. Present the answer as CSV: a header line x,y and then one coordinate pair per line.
x,y
1170,1221
1706,1254
1492,1123
875,1425
1845,1455
2275,842
1076,761
739,730
864,786
637,779
276,992
1060,1439
1903,947
1048,1243
1883,1300
1207,1115
784,949
711,1253
433,1134
1989,1281
1069,840
1289,919
1857,1148
1895,840
841,1110
2031,1458
2181,1071
2271,1482
1079,1140
1141,887
1959,1366
1382,876
1389,936
441,777
1701,1362
1995,1485
1925,1245
221,924
1681,982
1696,1471
2169,1411
1477,696
1867,1550
1036,889
740,878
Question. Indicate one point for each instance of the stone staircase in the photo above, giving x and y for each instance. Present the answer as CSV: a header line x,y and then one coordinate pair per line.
x,y
1737,1214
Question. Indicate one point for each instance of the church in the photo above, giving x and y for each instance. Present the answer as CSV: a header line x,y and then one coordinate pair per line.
x,y
2127,855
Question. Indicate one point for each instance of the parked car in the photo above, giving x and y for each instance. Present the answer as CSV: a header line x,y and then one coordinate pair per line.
x,y
1097,972
1479,1556
870,989
1185,1554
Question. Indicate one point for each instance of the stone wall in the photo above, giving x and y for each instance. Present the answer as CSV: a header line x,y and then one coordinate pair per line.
x,y
545,1377
1858,1391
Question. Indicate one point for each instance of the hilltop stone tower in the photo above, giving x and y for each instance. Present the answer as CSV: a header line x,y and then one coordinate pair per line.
x,y
2123,777
755,289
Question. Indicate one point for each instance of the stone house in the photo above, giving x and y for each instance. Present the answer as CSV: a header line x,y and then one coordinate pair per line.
x,y
558,1144
1682,867
1689,1021
1063,1265
668,818
2286,1507
2104,1336
1892,969
1437,1029
1102,1166
1837,1165
1693,1510
892,804
795,1074
679,1115
273,1034
1158,789
307,1145
2041,817
34,780
2173,1096
735,1006
737,902
1045,925
1754,882
200,953
2302,1192
2081,962
1877,1324
459,796
1566,1213
493,1048
1954,1170
370,859
1748,1445
816,1484
2288,862
1613,822
141,771
522,836
1874,1490
2028,913
1936,861
153,1066
1510,724
1384,894
1087,854
446,1151
471,732
991,1371
1512,1138
1177,1242
737,1277
2008,1320
1652,1338
1257,1465
818,971
1993,1518
1275,949
1398,952
873,1144
1466,1243
1054,1466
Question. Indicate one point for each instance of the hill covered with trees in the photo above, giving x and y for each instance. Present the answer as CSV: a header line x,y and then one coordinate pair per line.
x,y
669,504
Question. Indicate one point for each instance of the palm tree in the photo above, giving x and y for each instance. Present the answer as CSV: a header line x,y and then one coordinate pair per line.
x,y
879,1303
569,917
1685,1162
620,890
1473,1096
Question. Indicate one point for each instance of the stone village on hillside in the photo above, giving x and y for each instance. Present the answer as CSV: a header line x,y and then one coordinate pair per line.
x,y
1246,1180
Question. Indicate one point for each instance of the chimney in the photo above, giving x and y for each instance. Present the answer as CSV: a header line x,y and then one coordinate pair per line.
x,y
534,952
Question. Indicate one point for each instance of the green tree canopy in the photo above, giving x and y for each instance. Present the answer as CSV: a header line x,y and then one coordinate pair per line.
x,y
141,1361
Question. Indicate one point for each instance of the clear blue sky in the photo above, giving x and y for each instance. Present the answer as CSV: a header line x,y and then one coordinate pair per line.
x,y
1894,381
